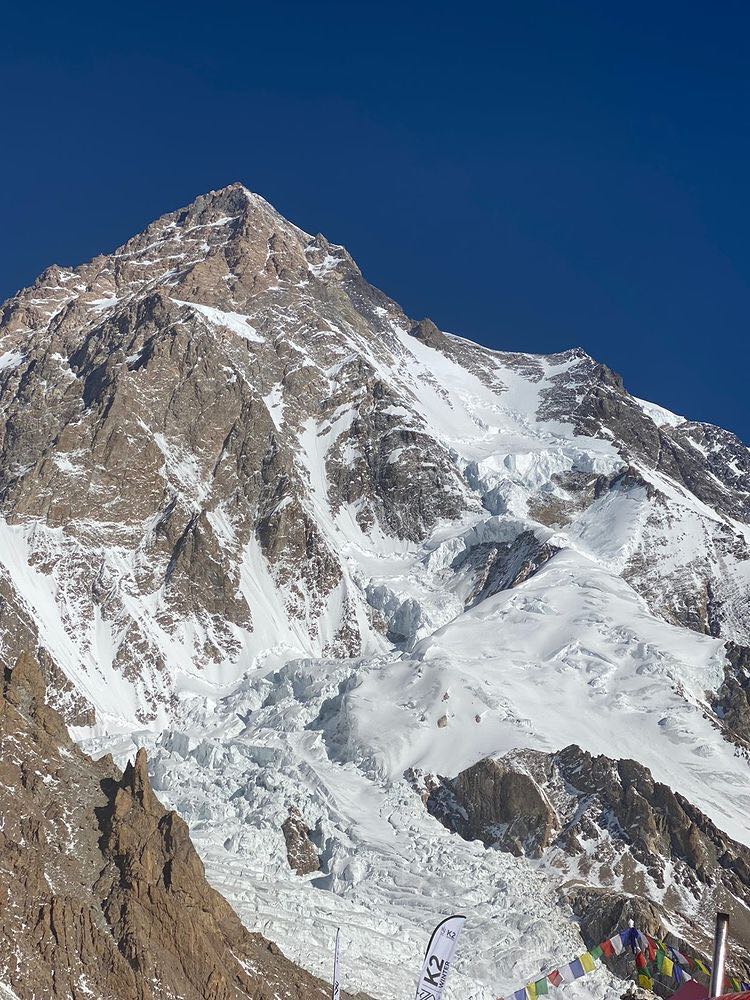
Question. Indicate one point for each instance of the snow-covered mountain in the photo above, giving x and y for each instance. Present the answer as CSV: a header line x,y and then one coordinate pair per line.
x,y
297,544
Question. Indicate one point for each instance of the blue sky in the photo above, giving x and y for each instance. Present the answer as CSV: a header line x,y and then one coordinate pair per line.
x,y
532,175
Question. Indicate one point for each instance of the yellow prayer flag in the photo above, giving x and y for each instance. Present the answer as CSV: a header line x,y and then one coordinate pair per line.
x,y
667,967
645,982
587,962
531,991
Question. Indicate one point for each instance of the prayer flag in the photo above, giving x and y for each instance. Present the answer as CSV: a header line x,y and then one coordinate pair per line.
x,y
616,943
667,967
587,962
554,977
541,986
607,949
566,971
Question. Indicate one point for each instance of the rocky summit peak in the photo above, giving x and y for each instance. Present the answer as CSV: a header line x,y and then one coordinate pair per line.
x,y
234,200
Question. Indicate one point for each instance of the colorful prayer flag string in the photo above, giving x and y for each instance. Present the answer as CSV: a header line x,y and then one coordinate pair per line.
x,y
668,961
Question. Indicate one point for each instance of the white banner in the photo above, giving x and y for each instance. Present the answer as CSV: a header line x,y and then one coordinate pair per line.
x,y
438,958
336,982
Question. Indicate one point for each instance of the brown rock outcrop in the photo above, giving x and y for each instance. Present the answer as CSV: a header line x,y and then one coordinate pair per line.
x,y
101,890
506,806
300,850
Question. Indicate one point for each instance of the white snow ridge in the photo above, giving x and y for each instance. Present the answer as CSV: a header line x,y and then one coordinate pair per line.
x,y
301,547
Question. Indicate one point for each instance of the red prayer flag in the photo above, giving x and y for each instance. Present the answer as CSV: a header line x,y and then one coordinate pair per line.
x,y
640,960
554,977
607,949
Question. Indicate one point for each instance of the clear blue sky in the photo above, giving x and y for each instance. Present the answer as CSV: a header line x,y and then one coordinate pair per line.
x,y
533,175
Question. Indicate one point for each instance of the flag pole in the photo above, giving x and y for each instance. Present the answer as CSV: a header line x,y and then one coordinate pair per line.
x,y
720,955
336,988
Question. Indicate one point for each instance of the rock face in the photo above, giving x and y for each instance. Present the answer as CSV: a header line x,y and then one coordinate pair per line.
x,y
732,701
627,846
101,890
498,805
300,850
496,566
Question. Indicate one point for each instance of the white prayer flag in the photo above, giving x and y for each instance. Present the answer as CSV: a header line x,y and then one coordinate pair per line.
x,y
616,943
567,973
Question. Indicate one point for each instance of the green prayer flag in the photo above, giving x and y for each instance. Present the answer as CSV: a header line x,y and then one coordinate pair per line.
x,y
596,952
541,986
